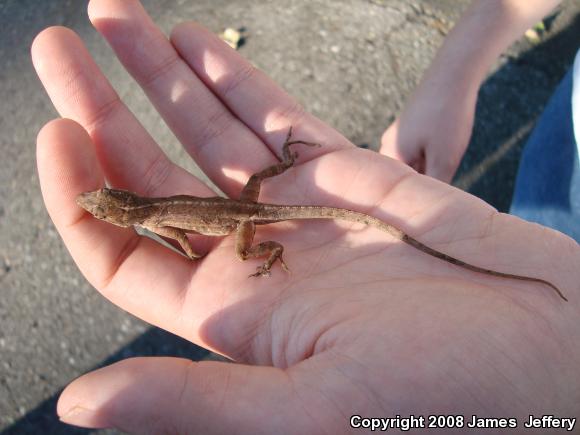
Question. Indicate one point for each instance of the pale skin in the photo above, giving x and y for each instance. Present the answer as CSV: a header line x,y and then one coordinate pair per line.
x,y
433,131
360,326
175,216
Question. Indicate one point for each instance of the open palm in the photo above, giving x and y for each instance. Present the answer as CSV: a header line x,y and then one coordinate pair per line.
x,y
363,324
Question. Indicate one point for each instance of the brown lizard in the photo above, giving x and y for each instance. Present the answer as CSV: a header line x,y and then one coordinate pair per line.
x,y
175,216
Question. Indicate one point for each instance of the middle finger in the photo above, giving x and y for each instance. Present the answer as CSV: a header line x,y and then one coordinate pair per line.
x,y
210,132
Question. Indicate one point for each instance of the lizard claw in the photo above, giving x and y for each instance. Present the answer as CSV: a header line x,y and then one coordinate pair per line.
x,y
260,271
196,257
265,271
284,266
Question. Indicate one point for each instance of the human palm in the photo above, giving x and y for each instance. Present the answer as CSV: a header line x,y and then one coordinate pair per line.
x,y
363,324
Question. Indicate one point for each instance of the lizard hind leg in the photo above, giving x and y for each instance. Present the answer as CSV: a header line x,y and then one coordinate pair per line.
x,y
273,250
270,249
251,190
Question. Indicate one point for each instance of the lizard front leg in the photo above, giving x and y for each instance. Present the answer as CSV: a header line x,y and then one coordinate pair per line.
x,y
251,190
176,234
270,249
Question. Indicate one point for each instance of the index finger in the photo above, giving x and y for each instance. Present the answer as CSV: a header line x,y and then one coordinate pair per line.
x,y
229,116
134,272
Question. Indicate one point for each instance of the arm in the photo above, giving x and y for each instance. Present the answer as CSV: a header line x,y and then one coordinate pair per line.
x,y
486,29
434,129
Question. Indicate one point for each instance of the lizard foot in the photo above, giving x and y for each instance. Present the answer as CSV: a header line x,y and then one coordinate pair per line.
x,y
196,256
264,269
289,157
284,266
261,271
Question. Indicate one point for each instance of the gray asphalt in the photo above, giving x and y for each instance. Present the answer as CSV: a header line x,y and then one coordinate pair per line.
x,y
352,63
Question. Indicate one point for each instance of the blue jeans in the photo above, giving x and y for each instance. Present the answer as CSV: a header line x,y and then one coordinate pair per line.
x,y
548,182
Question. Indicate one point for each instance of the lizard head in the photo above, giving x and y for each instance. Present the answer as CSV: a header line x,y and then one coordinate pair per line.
x,y
110,205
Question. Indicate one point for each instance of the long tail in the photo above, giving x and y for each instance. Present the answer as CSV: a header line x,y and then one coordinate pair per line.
x,y
272,213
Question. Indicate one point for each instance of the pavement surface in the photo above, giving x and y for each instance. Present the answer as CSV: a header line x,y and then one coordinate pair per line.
x,y
352,63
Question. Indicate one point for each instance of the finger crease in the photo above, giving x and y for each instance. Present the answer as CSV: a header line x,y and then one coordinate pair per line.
x,y
80,218
190,365
128,248
103,113
240,77
157,173
162,69
217,124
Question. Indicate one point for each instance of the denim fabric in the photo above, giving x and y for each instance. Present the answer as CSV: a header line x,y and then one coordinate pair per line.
x,y
548,182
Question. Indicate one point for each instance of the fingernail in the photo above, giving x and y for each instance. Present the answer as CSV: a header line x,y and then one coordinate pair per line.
x,y
76,415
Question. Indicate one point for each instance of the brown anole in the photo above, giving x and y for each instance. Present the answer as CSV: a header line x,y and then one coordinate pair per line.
x,y
175,216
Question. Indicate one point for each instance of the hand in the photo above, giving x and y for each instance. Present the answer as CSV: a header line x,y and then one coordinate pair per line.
x,y
364,324
433,131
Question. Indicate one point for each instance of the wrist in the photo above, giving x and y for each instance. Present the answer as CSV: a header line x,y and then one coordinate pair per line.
x,y
484,31
445,86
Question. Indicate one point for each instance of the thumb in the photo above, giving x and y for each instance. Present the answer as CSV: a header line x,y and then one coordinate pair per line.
x,y
390,142
440,165
407,151
172,395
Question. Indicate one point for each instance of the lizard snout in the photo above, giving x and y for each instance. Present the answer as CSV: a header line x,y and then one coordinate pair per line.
x,y
90,201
